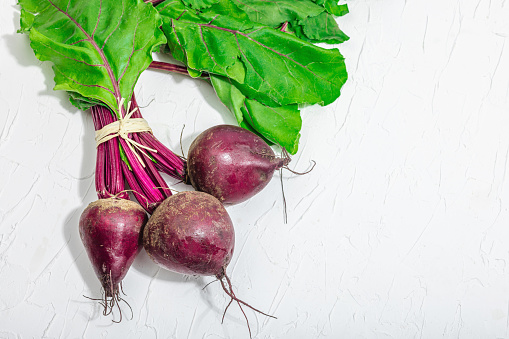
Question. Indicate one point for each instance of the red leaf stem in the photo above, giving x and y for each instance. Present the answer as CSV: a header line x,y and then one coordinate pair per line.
x,y
143,178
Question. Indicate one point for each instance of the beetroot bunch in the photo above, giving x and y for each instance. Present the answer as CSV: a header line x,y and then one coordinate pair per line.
x,y
263,67
189,232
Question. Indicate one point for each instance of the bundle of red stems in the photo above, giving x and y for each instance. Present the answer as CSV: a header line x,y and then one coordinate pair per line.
x,y
117,163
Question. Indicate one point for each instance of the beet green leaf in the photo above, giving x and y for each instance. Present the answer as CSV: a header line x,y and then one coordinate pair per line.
x,y
278,124
260,73
274,13
332,7
308,20
199,4
265,64
98,47
320,28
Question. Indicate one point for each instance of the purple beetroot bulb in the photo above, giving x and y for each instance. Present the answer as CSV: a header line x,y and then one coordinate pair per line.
x,y
190,233
231,163
110,230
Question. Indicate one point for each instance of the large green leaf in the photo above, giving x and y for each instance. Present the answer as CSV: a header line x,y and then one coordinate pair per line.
x,y
198,47
199,4
266,65
332,7
284,69
26,20
308,20
274,13
229,95
98,47
233,99
278,124
320,28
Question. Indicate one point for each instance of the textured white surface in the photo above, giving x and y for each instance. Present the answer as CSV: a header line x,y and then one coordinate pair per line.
x,y
401,230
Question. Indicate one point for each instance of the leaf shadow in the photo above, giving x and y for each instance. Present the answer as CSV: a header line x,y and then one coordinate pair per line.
x,y
86,190
18,45
204,87
209,95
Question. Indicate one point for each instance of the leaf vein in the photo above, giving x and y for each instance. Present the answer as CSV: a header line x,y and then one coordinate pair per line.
x,y
84,85
77,42
176,36
116,27
68,57
98,18
207,47
252,8
235,32
96,47
131,55
166,5
254,69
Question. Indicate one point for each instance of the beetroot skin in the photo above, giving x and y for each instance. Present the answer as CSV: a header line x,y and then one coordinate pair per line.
x,y
110,230
190,233
231,163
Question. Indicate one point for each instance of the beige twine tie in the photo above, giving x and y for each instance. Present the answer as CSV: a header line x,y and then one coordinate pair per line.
x,y
122,128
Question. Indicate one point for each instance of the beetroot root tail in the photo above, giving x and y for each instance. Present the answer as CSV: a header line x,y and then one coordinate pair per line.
x,y
228,289
111,299
111,302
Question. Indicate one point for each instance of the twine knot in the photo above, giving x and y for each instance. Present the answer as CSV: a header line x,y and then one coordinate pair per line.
x,y
122,128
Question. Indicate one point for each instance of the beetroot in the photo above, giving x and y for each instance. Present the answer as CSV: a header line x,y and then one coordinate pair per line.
x,y
191,233
231,163
110,230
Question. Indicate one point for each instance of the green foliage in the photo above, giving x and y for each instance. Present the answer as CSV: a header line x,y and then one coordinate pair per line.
x,y
199,4
274,13
278,124
98,48
82,102
320,28
259,72
262,74
310,20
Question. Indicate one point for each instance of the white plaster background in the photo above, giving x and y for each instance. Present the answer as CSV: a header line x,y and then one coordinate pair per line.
x,y
401,230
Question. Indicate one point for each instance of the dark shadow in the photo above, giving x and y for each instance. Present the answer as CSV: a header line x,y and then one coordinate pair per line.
x,y
78,253
19,46
146,266
87,173
86,190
